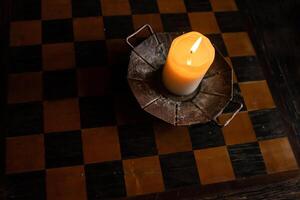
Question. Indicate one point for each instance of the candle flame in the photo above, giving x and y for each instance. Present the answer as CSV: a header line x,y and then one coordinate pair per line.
x,y
196,45
194,49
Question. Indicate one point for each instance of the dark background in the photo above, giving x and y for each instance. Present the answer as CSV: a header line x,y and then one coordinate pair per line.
x,y
275,31
4,18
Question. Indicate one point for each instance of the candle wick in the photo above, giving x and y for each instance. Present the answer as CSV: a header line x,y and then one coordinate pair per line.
x,y
189,60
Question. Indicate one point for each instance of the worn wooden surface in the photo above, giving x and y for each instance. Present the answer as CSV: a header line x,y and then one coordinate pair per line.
x,y
284,186
275,35
285,190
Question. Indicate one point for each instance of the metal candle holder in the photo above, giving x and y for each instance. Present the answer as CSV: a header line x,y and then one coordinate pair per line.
x,y
144,76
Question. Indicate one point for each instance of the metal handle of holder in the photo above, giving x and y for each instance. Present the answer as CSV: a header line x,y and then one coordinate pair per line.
x,y
232,116
139,30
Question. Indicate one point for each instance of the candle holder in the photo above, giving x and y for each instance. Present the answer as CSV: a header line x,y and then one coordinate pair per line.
x,y
205,104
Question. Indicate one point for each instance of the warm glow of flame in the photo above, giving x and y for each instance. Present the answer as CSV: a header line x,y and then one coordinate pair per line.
x,y
194,49
189,62
196,45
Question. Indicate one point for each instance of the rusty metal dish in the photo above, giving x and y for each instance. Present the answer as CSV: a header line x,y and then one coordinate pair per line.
x,y
144,77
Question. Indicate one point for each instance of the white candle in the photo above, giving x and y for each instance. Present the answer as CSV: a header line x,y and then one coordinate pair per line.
x,y
189,58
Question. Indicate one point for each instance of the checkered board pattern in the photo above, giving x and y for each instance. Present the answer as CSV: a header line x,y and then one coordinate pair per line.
x,y
75,130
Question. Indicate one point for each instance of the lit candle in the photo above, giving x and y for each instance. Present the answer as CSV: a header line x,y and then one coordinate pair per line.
x,y
189,58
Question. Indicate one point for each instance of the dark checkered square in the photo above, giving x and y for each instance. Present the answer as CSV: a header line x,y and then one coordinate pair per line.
x,y
105,180
63,149
231,21
143,6
88,78
197,5
26,10
86,8
118,26
179,170
90,54
264,126
247,160
60,84
24,119
247,68
206,135
175,22
128,111
96,111
137,140
55,31
119,78
25,59
26,186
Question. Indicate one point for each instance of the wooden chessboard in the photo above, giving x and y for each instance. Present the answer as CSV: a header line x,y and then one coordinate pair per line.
x,y
74,129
